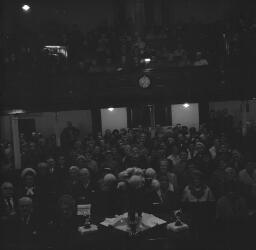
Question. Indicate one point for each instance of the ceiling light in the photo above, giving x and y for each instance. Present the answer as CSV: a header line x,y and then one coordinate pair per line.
x,y
186,105
25,7
110,109
16,111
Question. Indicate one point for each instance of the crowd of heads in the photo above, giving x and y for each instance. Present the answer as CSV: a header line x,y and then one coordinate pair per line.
x,y
192,165
107,49
178,156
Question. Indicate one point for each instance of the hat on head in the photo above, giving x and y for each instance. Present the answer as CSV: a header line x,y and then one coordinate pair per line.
x,y
27,171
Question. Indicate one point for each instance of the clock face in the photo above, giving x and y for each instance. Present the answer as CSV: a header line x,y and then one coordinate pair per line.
x,y
144,82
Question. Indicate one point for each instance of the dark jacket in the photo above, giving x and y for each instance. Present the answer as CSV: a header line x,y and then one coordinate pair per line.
x,y
63,233
164,205
22,234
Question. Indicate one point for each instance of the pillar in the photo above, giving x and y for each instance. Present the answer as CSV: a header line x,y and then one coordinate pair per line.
x,y
244,118
57,129
16,141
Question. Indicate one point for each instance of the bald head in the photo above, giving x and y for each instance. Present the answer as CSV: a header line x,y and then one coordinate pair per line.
x,y
150,173
109,182
155,185
135,181
109,178
25,206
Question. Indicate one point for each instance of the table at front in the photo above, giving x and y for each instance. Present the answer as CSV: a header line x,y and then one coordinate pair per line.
x,y
159,237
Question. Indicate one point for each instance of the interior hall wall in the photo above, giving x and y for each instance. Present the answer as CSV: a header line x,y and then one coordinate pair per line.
x,y
202,10
48,122
116,119
234,109
87,14
188,116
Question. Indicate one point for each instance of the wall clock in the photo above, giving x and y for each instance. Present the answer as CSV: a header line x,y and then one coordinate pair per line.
x,y
144,82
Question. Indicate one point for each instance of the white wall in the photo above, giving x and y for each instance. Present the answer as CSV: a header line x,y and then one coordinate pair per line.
x,y
185,116
115,119
46,122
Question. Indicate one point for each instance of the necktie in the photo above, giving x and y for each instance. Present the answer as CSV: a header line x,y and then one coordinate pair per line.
x,y
9,203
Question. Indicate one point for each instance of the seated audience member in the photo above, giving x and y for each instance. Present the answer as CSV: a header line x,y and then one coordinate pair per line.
x,y
92,165
150,174
7,201
22,231
182,164
197,190
231,206
247,178
174,156
7,170
185,177
199,60
138,159
164,169
161,199
81,161
218,178
28,187
82,191
236,160
104,201
232,215
63,230
215,148
109,163
180,56
71,181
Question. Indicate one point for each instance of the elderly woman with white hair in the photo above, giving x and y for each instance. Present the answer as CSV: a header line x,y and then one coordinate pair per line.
x,y
28,187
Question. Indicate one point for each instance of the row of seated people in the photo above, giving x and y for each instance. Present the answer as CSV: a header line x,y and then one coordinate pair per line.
x,y
30,219
173,168
105,49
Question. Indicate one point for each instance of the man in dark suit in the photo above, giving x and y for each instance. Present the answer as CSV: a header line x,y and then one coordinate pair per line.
x,y
105,199
161,200
22,231
7,201
82,192
63,229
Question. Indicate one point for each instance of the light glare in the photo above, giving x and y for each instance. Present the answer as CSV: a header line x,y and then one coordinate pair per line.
x,y
110,109
16,111
26,7
185,105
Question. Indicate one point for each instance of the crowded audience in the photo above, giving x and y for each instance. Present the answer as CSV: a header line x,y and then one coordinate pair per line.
x,y
201,172
107,49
